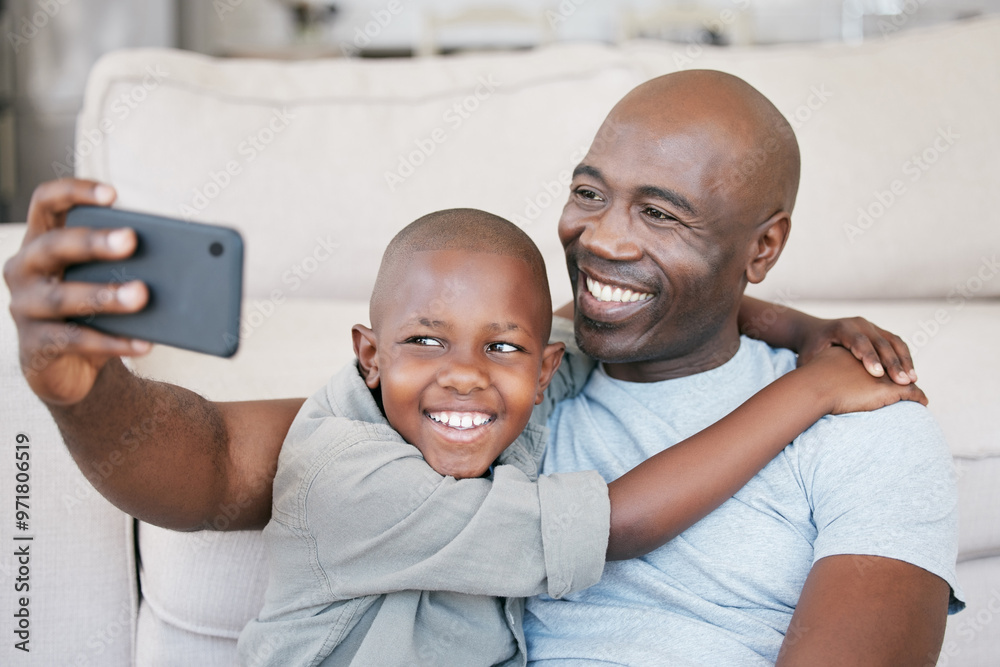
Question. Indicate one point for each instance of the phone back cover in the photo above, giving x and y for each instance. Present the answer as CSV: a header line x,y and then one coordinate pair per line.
x,y
194,273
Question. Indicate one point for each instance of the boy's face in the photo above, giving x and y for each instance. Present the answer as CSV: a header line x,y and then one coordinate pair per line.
x,y
460,355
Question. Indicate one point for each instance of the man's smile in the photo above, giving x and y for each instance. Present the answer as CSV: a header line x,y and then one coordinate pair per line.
x,y
607,292
603,300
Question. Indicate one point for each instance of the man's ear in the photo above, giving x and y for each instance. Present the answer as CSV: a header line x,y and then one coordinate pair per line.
x,y
551,358
769,239
365,349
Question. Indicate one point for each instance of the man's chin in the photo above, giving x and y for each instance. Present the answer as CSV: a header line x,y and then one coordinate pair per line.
x,y
606,342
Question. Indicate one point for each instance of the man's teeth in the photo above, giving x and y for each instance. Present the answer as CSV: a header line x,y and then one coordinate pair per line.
x,y
604,292
460,419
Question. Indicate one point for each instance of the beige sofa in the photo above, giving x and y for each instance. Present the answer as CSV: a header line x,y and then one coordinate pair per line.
x,y
318,163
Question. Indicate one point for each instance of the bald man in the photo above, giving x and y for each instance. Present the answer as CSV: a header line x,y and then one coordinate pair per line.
x,y
842,550
684,198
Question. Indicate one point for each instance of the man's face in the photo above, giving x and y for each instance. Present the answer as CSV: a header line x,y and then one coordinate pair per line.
x,y
655,248
462,358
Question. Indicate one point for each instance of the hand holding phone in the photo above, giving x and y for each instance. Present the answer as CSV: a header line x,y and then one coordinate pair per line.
x,y
194,274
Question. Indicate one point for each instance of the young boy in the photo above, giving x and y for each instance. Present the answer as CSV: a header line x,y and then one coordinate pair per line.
x,y
408,519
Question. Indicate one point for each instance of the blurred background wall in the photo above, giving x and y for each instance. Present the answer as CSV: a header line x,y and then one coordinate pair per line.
x,y
50,45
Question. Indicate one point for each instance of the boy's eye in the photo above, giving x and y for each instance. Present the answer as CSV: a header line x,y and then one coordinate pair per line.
x,y
424,340
502,347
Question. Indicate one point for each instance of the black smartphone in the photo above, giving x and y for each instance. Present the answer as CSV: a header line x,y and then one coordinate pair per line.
x,y
194,273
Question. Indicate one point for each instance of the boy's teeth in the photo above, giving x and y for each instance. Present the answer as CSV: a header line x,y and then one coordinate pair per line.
x,y
460,419
604,292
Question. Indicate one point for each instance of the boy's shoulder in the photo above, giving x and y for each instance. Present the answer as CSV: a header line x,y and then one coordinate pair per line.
x,y
340,415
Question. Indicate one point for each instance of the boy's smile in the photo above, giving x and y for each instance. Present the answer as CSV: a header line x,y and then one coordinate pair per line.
x,y
459,354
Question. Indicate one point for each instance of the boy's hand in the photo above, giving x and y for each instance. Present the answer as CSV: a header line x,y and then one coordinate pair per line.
x,y
847,387
60,359
876,348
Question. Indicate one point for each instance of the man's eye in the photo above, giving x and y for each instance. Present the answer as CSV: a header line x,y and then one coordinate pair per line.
x,y
657,214
424,340
502,347
587,193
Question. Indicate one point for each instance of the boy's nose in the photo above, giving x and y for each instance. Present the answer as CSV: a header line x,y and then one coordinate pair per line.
x,y
463,376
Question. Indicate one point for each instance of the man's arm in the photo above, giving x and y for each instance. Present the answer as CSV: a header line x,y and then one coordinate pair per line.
x,y
866,610
157,451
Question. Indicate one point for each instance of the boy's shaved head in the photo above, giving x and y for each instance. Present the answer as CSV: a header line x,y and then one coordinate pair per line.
x,y
466,229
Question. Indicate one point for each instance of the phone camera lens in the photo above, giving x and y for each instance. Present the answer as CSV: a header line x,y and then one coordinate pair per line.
x,y
215,249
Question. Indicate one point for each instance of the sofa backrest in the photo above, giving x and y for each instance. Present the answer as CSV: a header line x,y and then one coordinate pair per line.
x,y
319,163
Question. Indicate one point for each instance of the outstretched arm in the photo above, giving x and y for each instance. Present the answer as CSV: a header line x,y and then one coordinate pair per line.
x,y
159,452
663,496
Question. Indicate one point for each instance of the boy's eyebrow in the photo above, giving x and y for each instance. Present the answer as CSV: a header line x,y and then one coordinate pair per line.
x,y
499,327
433,324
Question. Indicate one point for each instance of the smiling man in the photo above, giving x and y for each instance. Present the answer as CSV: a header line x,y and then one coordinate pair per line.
x,y
842,550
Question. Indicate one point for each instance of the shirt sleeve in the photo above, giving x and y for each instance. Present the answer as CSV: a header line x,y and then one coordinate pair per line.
x,y
382,520
882,483
570,377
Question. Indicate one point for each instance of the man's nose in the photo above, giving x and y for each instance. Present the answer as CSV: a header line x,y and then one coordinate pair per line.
x,y
610,236
463,374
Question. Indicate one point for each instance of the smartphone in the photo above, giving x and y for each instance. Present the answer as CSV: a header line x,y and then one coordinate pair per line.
x,y
194,273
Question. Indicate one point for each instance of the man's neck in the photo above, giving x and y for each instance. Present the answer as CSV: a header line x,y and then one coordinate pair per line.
x,y
704,358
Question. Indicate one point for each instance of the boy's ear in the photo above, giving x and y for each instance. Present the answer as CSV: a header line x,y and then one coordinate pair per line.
x,y
769,239
551,358
365,349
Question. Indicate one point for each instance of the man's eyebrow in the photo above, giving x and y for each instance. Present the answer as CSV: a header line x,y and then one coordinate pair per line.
x,y
587,170
675,198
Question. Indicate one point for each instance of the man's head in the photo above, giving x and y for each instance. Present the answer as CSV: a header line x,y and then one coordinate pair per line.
x,y
458,347
685,196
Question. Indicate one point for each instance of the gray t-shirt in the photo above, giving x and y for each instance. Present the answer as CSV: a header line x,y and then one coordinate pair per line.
x,y
723,592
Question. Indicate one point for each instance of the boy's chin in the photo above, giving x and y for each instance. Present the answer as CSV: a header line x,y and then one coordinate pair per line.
x,y
457,469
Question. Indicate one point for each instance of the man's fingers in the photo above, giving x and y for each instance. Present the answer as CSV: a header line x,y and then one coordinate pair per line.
x,y
52,300
51,340
51,200
52,253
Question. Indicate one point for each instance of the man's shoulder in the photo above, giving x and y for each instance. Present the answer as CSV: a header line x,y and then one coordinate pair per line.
x,y
902,440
